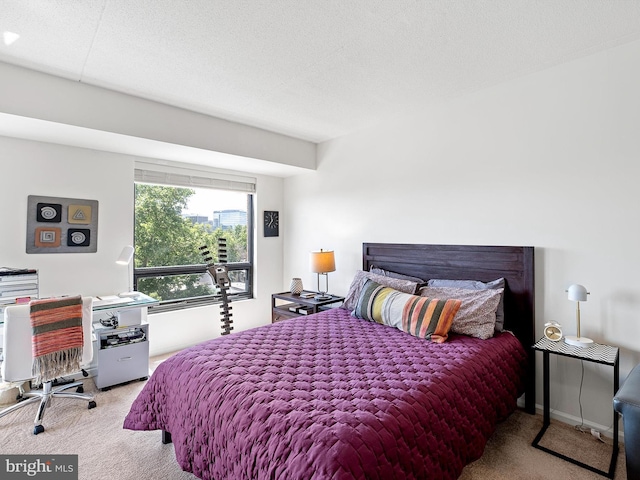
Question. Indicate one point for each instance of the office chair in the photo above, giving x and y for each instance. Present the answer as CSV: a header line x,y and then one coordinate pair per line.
x,y
18,359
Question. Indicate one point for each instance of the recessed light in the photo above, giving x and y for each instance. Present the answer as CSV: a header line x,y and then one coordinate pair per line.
x,y
10,37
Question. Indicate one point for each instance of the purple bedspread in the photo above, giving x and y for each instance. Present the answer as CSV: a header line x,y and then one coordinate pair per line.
x,y
331,396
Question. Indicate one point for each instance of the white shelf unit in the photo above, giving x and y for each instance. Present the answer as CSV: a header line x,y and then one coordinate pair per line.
x,y
18,284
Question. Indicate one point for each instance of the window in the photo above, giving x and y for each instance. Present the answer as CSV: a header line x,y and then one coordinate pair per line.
x,y
172,224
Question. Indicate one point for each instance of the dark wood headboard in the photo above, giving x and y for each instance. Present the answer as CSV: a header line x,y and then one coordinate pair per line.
x,y
471,262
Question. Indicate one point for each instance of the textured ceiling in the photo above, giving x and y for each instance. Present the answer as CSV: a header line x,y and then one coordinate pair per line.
x,y
312,69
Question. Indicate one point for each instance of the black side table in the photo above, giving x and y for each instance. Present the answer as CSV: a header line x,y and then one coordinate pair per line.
x,y
282,312
596,353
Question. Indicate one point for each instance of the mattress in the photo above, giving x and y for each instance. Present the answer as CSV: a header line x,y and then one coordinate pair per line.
x,y
329,396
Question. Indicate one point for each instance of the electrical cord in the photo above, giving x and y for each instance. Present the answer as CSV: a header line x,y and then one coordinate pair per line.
x,y
581,427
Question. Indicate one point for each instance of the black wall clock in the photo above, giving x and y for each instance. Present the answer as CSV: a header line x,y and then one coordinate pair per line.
x,y
271,224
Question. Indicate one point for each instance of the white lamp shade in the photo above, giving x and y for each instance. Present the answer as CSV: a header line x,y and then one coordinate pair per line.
x,y
322,262
126,255
577,293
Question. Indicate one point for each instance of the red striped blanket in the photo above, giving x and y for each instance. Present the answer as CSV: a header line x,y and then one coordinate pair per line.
x,y
57,337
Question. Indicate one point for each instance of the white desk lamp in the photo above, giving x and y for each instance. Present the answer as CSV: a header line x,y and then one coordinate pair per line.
x,y
577,293
125,258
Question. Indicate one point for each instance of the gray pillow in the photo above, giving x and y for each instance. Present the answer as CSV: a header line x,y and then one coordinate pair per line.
x,y
477,314
360,279
476,285
388,273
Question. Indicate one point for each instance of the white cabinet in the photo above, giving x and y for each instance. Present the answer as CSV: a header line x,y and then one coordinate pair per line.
x,y
122,354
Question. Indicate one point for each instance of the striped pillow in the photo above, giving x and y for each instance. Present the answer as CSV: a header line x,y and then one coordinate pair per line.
x,y
422,317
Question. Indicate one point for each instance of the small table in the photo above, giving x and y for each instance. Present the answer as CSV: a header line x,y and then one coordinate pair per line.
x,y
297,305
596,353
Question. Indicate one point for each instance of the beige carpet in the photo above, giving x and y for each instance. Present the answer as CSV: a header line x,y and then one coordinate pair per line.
x,y
509,454
106,451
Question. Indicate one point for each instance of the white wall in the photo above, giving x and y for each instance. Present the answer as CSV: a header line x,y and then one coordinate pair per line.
x,y
549,160
35,168
32,168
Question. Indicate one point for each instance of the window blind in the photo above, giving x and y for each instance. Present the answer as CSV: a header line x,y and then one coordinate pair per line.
x,y
202,179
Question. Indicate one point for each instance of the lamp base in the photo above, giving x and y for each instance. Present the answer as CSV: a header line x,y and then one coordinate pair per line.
x,y
322,296
578,341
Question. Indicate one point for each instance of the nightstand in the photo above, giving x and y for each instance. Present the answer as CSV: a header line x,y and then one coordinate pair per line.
x,y
286,305
596,353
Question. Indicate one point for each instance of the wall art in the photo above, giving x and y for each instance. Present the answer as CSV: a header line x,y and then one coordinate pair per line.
x,y
61,225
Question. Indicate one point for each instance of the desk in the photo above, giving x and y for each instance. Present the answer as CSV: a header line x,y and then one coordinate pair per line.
x,y
603,354
128,310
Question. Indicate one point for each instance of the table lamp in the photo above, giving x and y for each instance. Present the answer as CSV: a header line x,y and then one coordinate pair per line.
x,y
577,293
322,263
125,258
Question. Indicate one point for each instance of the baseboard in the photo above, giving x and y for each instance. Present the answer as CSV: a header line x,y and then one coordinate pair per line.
x,y
605,430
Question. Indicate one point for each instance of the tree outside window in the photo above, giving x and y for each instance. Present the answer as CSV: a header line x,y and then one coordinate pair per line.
x,y
172,223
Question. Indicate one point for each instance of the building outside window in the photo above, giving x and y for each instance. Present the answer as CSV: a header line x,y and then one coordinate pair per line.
x,y
173,224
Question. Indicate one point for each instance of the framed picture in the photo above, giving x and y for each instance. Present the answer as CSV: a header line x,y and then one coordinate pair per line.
x,y
61,225
271,223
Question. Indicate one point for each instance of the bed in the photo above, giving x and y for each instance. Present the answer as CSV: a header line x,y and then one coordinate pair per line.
x,y
333,396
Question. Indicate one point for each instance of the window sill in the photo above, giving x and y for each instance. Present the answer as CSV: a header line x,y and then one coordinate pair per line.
x,y
193,303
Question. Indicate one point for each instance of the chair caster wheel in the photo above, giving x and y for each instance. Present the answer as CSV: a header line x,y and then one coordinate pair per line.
x,y
38,429
92,404
80,389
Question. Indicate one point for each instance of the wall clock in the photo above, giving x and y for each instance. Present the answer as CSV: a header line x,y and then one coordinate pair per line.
x,y
271,224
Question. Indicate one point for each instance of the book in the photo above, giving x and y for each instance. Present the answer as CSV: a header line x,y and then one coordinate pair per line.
x,y
301,309
294,307
5,271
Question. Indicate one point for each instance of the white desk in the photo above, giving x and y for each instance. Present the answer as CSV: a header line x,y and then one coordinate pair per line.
x,y
128,310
